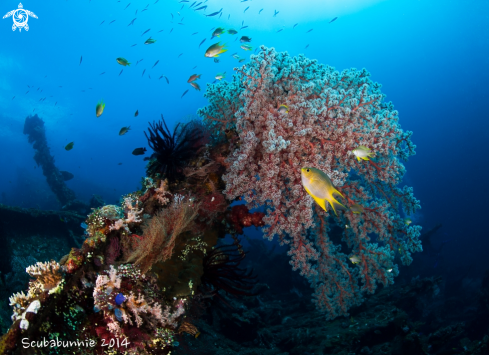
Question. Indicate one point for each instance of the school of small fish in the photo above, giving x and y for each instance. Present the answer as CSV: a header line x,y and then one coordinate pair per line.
x,y
214,50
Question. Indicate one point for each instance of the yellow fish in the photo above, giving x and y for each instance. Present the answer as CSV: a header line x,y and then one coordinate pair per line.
x,y
214,50
363,152
283,109
320,187
355,259
99,109
407,221
356,208
123,61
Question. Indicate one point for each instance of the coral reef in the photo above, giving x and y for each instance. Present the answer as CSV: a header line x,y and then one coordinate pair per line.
x,y
329,114
149,266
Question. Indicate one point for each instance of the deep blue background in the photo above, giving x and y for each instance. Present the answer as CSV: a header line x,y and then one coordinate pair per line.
x,y
430,56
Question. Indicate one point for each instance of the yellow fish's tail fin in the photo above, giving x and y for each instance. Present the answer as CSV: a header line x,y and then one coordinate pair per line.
x,y
365,158
222,51
335,204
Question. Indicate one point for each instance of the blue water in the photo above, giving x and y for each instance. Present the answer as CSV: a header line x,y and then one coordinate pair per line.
x,y
430,56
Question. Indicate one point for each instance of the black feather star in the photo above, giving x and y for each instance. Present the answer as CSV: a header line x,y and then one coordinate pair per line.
x,y
172,151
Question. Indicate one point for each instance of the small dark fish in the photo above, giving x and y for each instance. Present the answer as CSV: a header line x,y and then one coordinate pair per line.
x,y
121,72
180,8
310,30
135,44
132,22
184,93
127,6
183,1
136,113
26,92
149,76
160,77
307,47
124,130
167,81
81,58
136,12
216,60
102,22
202,42
146,158
194,67
119,164
149,29
139,151
192,4
55,103
181,24
333,19
155,64
70,145
13,97
220,15
160,31
243,27
214,13
229,16
111,22
102,73
276,13
246,9
66,175
260,11
144,10
194,33
179,55
171,16
143,72
171,30
295,25
201,8
279,30
156,1
245,39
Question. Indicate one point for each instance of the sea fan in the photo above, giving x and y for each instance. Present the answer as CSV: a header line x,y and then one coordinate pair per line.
x,y
172,152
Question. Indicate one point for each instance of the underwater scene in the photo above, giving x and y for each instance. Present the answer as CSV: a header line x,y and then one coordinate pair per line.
x,y
249,177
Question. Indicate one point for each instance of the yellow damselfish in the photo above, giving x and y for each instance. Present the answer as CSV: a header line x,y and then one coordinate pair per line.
x,y
363,152
320,187
99,109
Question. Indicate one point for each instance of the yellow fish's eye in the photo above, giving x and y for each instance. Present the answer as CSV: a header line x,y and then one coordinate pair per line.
x,y
307,170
